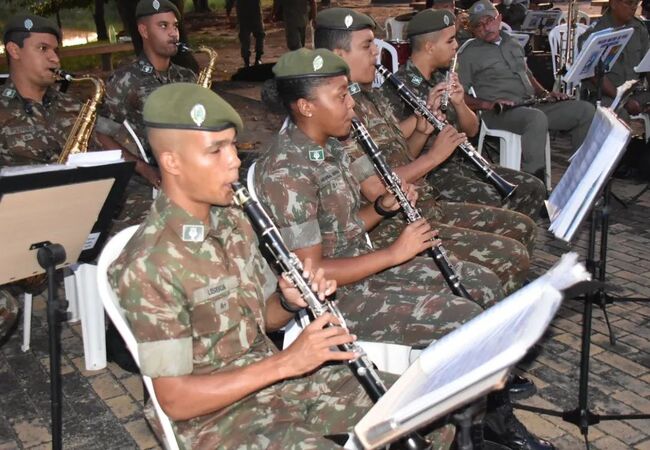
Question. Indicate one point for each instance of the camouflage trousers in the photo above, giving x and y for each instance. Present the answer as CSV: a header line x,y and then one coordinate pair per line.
x,y
137,201
8,312
461,182
411,304
293,414
495,238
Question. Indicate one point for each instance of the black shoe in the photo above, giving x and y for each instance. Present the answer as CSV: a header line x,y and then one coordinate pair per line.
x,y
520,387
503,428
247,62
258,61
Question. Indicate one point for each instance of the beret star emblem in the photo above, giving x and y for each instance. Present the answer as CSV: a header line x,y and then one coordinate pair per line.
x,y
348,21
28,24
317,63
156,5
197,113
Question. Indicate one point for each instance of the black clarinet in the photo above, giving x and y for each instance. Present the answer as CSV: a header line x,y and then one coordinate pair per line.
x,y
292,269
504,187
412,214
533,101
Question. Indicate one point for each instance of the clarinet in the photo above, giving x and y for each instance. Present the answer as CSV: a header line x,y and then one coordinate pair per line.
x,y
533,101
504,188
292,269
394,186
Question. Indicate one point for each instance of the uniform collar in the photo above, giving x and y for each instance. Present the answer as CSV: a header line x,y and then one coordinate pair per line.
x,y
308,147
190,230
10,93
416,76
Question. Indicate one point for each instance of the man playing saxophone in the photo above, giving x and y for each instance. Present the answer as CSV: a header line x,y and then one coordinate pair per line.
x,y
35,117
129,86
429,75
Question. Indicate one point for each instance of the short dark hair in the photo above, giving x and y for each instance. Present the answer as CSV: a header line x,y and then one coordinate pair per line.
x,y
417,42
290,90
332,39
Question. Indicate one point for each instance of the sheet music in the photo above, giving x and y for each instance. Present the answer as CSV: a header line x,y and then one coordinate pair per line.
x,y
471,360
94,158
620,91
10,171
644,64
605,45
590,166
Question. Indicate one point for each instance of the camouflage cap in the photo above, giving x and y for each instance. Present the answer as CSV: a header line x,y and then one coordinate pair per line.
x,y
344,19
151,7
480,9
304,63
31,23
428,21
189,106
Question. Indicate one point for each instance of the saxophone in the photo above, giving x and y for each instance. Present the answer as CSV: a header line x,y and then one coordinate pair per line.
x,y
77,141
205,76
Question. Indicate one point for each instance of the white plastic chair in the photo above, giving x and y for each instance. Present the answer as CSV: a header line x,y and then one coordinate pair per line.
x,y
522,38
383,45
391,358
557,41
83,304
395,29
505,27
112,307
646,123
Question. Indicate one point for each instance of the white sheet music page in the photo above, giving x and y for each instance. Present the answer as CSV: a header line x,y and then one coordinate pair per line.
x,y
590,167
471,360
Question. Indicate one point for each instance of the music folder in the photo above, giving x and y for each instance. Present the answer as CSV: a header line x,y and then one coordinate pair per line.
x,y
470,361
71,206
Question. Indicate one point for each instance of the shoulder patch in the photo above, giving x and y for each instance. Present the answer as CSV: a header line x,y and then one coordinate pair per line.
x,y
417,80
354,88
316,155
146,68
9,93
193,233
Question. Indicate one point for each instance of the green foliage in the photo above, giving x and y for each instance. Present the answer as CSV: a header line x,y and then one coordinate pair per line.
x,y
48,7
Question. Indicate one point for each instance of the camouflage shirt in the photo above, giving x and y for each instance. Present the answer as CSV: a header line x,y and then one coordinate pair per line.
x,y
32,132
374,111
309,191
126,91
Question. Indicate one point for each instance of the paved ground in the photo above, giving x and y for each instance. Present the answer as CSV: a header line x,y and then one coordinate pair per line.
x,y
102,409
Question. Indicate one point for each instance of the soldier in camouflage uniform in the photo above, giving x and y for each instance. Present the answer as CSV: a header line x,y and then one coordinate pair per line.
x,y
621,14
308,189
35,118
249,16
126,91
456,179
498,239
199,297
462,33
295,15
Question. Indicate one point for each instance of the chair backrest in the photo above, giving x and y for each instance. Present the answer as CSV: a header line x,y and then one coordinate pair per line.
x,y
506,27
522,38
112,307
557,40
383,45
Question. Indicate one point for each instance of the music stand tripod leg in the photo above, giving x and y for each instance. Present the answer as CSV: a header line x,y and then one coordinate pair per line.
x,y
49,257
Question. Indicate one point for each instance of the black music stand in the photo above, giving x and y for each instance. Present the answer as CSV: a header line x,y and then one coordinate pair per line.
x,y
49,220
585,188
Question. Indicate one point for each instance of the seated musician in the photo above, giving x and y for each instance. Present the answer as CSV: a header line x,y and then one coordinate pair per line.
x,y
621,14
35,117
462,19
513,13
503,239
431,34
494,65
128,88
305,183
199,296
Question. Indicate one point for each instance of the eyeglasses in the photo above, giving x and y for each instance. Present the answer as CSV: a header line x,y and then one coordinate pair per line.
x,y
631,3
487,20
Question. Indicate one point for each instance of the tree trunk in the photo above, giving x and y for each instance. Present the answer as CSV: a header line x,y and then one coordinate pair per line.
x,y
201,6
100,22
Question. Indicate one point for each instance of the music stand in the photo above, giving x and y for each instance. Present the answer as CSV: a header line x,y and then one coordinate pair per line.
x,y
586,183
468,362
49,220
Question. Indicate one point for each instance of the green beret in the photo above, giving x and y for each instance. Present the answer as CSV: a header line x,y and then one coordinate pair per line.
x,y
151,7
304,63
31,23
344,19
189,106
428,21
480,9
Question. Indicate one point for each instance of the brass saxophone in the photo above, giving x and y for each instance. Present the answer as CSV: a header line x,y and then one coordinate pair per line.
x,y
77,141
205,76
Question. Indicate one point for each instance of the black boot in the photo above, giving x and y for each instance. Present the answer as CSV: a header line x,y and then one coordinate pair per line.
x,y
520,387
258,59
502,427
247,61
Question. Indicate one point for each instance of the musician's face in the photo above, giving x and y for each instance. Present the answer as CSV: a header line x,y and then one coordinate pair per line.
x,y
623,10
332,106
160,33
362,56
36,59
203,165
444,47
488,28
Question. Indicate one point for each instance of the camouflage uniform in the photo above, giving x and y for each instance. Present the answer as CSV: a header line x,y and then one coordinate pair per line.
x,y
8,312
457,179
498,239
126,91
623,68
32,132
313,199
249,16
198,308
